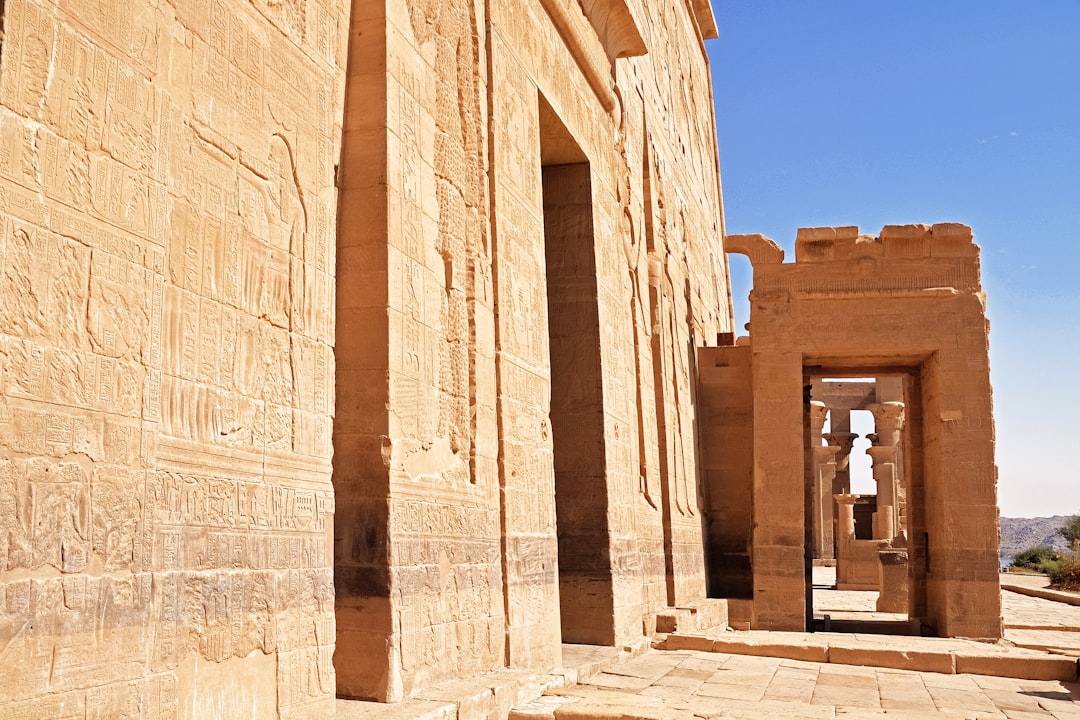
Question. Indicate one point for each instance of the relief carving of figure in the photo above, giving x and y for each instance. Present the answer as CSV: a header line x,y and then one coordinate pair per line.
x,y
669,348
60,515
634,252
285,204
15,548
461,239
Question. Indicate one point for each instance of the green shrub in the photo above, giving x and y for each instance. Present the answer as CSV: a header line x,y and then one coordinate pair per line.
x,y
1071,531
1039,559
1065,574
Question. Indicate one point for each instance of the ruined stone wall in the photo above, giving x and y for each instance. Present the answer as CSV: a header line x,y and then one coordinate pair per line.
x,y
910,302
167,214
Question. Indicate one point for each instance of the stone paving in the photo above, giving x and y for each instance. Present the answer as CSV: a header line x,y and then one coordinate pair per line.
x,y
1029,621
845,604
1023,611
1034,622
671,685
686,684
676,684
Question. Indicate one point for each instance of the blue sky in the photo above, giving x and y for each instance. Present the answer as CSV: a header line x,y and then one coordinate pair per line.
x,y
871,113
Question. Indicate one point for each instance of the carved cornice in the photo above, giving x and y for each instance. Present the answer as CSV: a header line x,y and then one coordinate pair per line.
x,y
760,249
706,21
616,27
614,32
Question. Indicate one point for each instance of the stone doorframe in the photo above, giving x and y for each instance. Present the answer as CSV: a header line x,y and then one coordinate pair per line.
x,y
908,301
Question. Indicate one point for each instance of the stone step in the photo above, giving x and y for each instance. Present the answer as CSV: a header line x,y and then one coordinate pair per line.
x,y
940,655
1045,593
710,613
492,695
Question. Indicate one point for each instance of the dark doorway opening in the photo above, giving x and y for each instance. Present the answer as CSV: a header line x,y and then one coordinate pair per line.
x,y
859,590
577,413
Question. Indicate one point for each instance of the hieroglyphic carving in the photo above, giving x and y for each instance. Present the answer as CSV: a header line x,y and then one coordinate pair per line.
x,y
460,194
203,522
52,515
43,286
117,514
155,255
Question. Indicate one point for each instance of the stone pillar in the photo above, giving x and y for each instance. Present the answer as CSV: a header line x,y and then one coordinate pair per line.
x,y
845,534
845,517
842,441
893,580
888,422
824,505
818,411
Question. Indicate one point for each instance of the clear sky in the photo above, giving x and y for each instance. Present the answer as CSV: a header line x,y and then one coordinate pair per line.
x,y
871,113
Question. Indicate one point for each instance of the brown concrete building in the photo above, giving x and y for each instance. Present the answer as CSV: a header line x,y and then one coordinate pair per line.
x,y
349,350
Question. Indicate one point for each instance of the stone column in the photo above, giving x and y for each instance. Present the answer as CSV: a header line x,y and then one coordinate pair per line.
x,y
845,534
842,441
888,422
890,389
818,411
824,542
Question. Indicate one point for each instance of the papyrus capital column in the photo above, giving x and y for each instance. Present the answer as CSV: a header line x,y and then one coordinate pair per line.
x,y
817,413
888,423
841,477
843,442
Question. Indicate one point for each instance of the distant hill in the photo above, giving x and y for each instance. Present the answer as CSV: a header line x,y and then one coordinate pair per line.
x,y
1022,533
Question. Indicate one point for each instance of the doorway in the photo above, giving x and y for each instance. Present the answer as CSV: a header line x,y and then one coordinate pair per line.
x,y
577,411
868,583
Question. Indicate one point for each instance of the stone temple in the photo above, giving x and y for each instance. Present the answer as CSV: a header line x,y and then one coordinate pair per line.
x,y
349,350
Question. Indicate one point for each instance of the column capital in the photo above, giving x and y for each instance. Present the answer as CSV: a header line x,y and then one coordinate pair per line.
x,y
882,453
846,498
825,453
888,416
817,417
841,440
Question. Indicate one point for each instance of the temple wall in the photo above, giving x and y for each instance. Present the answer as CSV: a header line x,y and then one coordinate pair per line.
x,y
167,214
540,324
194,328
415,464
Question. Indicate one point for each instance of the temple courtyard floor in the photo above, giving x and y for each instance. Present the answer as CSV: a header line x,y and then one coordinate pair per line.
x,y
719,673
